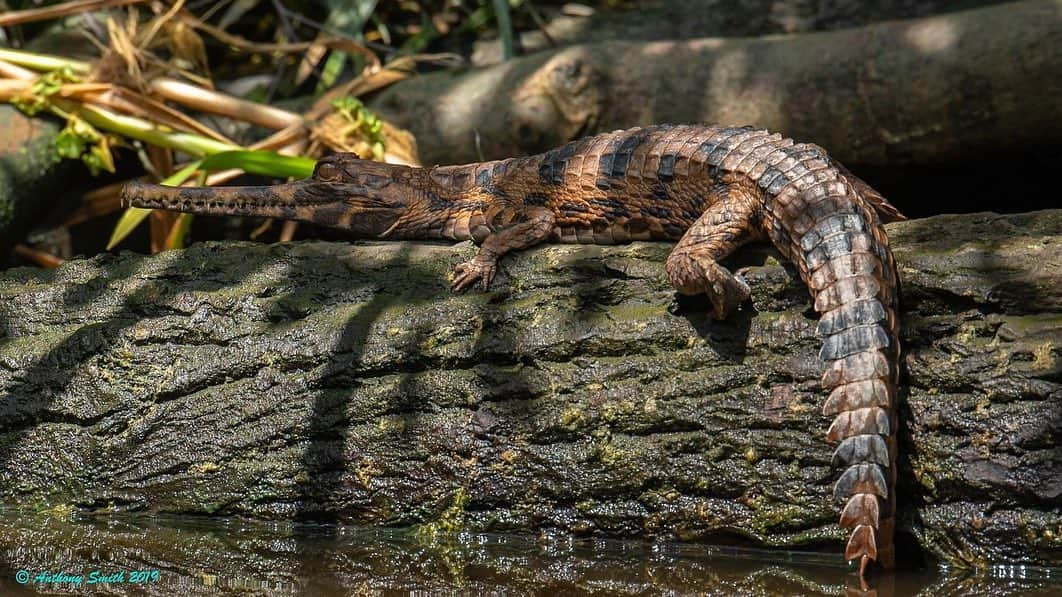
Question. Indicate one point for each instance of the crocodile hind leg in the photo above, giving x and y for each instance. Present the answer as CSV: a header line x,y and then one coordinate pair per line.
x,y
728,223
511,228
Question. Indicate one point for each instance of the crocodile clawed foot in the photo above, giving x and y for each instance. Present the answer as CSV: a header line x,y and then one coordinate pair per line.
x,y
694,273
726,293
468,272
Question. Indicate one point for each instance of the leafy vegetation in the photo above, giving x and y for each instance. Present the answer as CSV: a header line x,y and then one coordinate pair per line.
x,y
189,90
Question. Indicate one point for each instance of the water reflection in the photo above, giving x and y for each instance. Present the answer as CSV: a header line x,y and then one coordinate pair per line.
x,y
210,557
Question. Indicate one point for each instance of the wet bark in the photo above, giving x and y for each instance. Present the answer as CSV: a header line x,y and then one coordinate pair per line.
x,y
956,87
580,397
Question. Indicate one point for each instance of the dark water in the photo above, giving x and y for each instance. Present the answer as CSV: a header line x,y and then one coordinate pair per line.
x,y
180,556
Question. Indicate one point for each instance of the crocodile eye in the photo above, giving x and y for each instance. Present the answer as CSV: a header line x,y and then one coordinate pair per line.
x,y
327,172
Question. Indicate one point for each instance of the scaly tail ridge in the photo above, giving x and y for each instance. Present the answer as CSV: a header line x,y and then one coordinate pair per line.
x,y
851,274
829,223
826,220
850,283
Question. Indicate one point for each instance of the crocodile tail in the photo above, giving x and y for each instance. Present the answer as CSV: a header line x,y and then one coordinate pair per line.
x,y
835,236
852,276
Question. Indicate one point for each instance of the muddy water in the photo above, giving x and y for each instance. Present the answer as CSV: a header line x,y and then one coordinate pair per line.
x,y
131,555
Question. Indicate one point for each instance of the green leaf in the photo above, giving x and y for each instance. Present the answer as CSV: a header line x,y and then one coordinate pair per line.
x,y
134,215
266,163
68,144
179,232
182,175
349,17
333,67
126,224
46,85
80,140
505,27
362,124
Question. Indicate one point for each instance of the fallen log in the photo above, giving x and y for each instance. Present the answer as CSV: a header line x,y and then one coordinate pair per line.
x,y
579,397
943,89
691,19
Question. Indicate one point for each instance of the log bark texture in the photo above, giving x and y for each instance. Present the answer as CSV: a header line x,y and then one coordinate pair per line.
x,y
691,19
326,381
960,86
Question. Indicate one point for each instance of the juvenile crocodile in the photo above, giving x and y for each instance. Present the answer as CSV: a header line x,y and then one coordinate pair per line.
x,y
712,189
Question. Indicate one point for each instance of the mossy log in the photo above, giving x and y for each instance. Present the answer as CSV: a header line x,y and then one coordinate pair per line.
x,y
31,173
580,396
942,89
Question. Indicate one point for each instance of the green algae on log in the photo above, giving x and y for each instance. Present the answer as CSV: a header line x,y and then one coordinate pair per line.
x,y
336,382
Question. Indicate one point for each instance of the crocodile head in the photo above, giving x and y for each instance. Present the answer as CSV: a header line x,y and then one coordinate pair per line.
x,y
363,197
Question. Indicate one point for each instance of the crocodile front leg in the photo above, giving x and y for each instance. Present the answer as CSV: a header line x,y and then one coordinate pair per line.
x,y
513,228
728,223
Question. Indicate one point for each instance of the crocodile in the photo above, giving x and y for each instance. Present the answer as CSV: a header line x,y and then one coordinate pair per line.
x,y
711,189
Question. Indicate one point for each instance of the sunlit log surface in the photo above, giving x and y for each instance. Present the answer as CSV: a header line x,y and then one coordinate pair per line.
x,y
948,88
580,397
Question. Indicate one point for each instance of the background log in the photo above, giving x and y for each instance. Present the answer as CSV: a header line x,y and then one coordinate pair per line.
x,y
691,19
961,86
325,381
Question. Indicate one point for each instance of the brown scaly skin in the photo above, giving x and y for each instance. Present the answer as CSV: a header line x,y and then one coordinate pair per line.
x,y
710,188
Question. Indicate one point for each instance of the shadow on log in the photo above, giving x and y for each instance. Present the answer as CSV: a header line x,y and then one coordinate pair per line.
x,y
581,397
